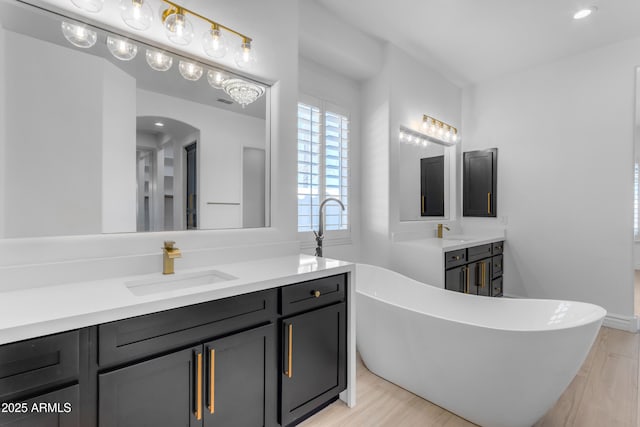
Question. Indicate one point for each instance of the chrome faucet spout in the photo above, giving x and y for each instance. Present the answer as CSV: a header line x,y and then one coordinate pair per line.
x,y
320,234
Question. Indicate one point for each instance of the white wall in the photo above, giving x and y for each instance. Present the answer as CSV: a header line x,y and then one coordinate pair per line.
x,y
3,157
325,84
53,188
118,151
564,133
222,135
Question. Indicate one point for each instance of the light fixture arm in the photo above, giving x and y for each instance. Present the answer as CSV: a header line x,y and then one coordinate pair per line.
x,y
176,8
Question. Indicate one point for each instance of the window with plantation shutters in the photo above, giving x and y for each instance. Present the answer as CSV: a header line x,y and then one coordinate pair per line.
x,y
323,166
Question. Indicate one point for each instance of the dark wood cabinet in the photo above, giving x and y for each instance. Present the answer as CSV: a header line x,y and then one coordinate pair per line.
x,y
214,364
432,186
480,272
55,409
480,183
314,360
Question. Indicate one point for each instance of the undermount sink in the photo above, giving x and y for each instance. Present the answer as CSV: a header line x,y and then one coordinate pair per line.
x,y
456,239
178,281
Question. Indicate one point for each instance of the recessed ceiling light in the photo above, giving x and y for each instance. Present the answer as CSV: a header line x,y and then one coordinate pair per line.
x,y
583,13
159,124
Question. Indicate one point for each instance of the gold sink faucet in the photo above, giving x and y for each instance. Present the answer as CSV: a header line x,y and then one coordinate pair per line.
x,y
169,253
440,227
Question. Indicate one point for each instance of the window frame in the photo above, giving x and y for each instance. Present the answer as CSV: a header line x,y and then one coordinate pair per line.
x,y
332,237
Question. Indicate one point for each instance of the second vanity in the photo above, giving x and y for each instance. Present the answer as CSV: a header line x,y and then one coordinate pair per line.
x,y
268,343
467,264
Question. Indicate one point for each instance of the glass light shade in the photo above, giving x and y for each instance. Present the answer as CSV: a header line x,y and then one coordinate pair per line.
x,y
190,71
178,28
79,35
159,60
244,93
136,13
214,43
216,78
122,49
92,6
245,55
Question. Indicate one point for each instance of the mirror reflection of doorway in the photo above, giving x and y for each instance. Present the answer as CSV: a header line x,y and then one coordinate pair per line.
x,y
192,200
166,183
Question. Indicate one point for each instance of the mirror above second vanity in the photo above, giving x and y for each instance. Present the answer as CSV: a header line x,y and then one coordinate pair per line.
x,y
94,144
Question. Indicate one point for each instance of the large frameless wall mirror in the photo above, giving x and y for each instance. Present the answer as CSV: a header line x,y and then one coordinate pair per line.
x,y
92,143
424,172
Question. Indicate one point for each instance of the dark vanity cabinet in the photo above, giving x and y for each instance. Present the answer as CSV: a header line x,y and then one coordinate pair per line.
x,y
432,186
39,381
219,363
313,355
476,270
480,173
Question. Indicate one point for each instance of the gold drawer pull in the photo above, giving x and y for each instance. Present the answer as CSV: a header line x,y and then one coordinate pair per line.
x,y
212,381
199,390
315,294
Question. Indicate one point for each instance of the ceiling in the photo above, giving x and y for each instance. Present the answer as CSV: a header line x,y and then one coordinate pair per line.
x,y
470,41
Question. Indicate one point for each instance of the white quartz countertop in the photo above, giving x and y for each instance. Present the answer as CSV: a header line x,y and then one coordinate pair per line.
x,y
453,242
46,310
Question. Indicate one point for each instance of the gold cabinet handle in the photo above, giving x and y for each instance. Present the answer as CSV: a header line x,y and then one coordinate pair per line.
x,y
212,381
422,197
199,388
289,371
316,294
466,279
483,270
489,203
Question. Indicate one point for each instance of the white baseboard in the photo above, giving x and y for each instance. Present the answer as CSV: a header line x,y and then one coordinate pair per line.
x,y
625,323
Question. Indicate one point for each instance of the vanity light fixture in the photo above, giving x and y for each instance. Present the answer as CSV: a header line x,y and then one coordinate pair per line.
x,y
190,71
177,26
216,78
79,35
121,48
241,91
439,130
410,136
583,13
159,60
136,13
213,42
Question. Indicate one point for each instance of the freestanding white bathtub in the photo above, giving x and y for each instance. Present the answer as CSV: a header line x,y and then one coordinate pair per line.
x,y
496,362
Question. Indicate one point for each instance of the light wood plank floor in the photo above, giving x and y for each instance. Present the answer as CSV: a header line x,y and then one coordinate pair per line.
x,y
604,393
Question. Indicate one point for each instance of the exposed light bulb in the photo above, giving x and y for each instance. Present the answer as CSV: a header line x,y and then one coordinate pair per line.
x,y
454,138
213,43
216,78
245,55
122,49
92,6
177,27
79,35
136,13
159,124
190,70
159,60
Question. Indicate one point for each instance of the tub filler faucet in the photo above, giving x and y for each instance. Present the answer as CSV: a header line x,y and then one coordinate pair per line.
x,y
320,233
169,253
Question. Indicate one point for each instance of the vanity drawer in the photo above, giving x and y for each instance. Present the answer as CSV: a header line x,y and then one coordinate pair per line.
x,y
26,366
455,258
137,337
496,266
478,252
312,294
496,287
497,247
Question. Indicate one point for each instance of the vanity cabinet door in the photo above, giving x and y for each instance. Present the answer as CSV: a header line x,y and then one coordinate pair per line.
x,y
480,183
159,392
313,360
240,380
56,409
456,279
483,277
